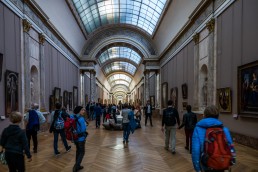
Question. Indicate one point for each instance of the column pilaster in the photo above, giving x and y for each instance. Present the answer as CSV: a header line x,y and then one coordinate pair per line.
x,y
92,85
147,85
196,72
211,64
27,77
42,72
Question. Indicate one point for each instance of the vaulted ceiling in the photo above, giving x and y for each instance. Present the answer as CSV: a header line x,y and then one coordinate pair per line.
x,y
119,61
118,34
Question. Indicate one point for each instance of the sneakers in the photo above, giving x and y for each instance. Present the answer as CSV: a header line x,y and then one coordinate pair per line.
x,y
173,152
69,148
186,148
166,148
58,153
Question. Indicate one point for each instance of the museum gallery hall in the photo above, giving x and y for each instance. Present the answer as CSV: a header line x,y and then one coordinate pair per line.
x,y
115,52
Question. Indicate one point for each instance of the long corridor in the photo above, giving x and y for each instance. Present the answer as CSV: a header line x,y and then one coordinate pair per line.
x,y
145,152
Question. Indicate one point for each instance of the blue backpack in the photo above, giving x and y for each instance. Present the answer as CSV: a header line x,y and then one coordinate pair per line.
x,y
59,122
33,123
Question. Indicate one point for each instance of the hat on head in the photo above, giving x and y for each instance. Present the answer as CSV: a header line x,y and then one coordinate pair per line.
x,y
77,109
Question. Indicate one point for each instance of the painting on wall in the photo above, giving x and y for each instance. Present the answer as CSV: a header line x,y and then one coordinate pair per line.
x,y
51,103
75,96
174,96
184,105
164,94
152,101
11,92
184,91
248,89
1,66
224,99
57,94
86,99
70,101
65,99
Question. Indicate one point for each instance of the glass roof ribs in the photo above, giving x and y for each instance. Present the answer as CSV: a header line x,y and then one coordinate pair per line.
x,y
142,13
119,66
119,77
119,52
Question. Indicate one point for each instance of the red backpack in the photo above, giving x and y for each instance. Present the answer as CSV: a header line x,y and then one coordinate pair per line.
x,y
71,128
217,153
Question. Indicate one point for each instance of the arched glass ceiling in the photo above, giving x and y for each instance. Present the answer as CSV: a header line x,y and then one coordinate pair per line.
x,y
120,82
142,13
118,77
119,52
119,66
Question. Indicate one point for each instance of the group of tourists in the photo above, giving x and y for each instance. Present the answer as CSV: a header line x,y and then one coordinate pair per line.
x,y
16,141
207,140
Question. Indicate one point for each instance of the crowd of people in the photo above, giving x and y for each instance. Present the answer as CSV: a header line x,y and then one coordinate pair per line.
x,y
16,141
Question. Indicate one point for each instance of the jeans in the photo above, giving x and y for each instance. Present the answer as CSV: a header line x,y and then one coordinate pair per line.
x,y
15,162
80,151
148,115
188,137
170,137
62,134
33,134
126,133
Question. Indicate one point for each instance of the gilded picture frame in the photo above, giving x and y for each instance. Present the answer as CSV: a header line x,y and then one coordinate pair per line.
x,y
164,95
174,96
75,96
184,91
11,92
224,100
248,89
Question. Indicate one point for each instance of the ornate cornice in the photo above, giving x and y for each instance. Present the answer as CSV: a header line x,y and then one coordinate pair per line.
x,y
26,25
146,72
92,72
196,38
41,38
211,25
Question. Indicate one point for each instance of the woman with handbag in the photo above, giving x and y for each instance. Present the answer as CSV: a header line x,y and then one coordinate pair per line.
x,y
14,141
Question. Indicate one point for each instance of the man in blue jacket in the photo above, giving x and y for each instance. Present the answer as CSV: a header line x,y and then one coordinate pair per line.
x,y
211,114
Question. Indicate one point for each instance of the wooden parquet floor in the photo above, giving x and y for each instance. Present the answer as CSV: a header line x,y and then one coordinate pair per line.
x,y
145,152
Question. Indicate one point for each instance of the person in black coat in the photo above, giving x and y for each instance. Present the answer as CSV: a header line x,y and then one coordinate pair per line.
x,y
14,141
148,113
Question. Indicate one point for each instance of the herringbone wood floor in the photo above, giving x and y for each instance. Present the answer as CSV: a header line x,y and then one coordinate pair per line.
x,y
145,152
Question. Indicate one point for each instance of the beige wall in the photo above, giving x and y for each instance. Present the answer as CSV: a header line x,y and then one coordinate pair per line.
x,y
10,47
237,45
175,18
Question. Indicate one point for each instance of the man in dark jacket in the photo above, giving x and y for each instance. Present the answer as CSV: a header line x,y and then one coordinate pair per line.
x,y
169,120
148,113
189,122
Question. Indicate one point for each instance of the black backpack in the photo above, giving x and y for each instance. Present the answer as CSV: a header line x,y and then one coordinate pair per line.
x,y
170,117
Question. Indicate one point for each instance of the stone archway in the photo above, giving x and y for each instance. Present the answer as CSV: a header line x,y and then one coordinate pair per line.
x,y
34,85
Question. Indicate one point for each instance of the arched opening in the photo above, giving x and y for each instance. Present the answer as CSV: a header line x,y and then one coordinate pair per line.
x,y
34,85
203,86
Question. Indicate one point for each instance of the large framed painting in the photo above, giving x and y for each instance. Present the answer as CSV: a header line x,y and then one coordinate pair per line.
x,y
51,103
174,96
248,89
57,94
65,99
164,95
224,99
75,96
1,66
87,99
70,100
152,101
184,91
11,92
